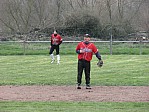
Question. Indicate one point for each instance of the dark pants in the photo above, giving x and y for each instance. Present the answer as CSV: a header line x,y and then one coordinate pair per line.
x,y
83,65
54,47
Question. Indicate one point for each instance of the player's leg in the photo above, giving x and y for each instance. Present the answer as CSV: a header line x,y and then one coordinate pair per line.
x,y
87,74
51,53
80,71
57,54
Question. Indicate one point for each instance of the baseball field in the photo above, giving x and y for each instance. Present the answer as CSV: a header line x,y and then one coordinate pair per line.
x,y
31,83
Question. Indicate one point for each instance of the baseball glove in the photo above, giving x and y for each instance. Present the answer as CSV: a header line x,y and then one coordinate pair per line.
x,y
100,63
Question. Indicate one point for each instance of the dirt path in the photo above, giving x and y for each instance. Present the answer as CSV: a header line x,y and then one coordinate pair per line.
x,y
70,93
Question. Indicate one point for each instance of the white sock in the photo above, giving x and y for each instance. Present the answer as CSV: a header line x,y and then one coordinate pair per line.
x,y
58,58
52,57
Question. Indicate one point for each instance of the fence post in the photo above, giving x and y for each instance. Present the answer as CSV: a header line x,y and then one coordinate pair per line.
x,y
140,44
24,42
111,45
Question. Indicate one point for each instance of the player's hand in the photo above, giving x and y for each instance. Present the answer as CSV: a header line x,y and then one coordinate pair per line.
x,y
82,51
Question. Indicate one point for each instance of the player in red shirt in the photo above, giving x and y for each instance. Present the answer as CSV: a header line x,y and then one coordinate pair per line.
x,y
85,51
56,40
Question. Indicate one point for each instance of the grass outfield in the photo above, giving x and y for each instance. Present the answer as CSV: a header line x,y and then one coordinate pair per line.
x,y
118,70
14,48
73,107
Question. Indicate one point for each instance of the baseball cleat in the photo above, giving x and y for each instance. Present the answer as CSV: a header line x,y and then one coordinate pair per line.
x,y
52,61
88,87
79,87
58,62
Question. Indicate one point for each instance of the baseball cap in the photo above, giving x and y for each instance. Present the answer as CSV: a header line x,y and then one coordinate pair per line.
x,y
87,35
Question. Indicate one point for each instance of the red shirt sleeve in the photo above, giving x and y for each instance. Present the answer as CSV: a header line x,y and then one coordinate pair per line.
x,y
60,38
95,50
78,47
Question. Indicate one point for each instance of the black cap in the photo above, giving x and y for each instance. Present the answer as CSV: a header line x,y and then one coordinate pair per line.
x,y
87,35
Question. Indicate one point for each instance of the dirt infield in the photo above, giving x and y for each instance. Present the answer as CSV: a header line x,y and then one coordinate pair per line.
x,y
70,93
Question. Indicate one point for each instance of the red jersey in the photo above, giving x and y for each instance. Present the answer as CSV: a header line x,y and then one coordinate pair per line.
x,y
56,40
88,49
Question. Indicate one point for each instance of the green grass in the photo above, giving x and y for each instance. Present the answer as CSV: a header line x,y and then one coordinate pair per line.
x,y
15,48
118,70
73,107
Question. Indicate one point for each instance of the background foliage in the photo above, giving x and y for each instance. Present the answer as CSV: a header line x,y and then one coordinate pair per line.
x,y
36,19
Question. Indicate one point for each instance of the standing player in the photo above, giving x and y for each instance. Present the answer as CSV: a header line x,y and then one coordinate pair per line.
x,y
56,40
85,51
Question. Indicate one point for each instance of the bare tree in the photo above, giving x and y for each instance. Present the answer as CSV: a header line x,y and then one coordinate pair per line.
x,y
25,15
143,16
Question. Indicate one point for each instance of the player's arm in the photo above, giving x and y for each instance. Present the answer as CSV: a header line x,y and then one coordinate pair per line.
x,y
100,62
51,41
60,40
98,55
95,50
78,49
